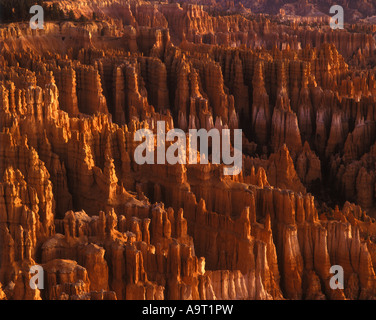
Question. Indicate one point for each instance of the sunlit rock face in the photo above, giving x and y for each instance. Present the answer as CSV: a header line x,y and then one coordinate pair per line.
x,y
74,200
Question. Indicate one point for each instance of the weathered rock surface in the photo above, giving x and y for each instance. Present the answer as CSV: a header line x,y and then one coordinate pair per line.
x,y
74,200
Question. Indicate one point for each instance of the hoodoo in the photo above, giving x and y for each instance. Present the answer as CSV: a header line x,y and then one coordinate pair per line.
x,y
187,150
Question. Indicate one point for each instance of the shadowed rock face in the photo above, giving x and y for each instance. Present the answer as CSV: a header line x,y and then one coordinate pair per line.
x,y
73,199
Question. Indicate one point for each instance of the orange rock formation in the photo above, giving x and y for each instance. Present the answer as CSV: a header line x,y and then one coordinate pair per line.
x,y
73,199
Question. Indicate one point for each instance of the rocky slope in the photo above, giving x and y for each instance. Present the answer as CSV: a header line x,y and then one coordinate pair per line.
x,y
73,199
